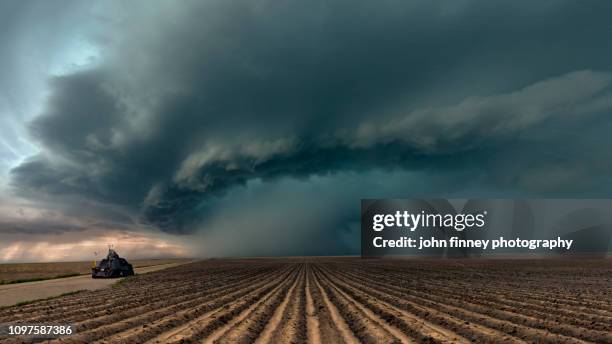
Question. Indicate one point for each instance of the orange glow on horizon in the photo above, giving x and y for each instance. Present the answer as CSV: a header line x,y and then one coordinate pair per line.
x,y
82,245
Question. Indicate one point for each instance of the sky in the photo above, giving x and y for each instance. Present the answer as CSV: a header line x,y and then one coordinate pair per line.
x,y
241,128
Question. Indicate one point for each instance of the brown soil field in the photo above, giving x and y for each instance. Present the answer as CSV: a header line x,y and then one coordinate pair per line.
x,y
10,273
341,300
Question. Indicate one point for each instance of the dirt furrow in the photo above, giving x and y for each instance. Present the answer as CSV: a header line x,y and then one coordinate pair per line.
x,y
215,324
524,288
365,328
488,318
336,319
252,326
553,301
582,316
134,305
373,323
466,304
137,322
313,330
500,301
445,294
287,325
497,276
421,323
175,325
102,300
341,300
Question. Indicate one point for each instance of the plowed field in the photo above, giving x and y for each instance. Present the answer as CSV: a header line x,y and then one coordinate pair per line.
x,y
342,300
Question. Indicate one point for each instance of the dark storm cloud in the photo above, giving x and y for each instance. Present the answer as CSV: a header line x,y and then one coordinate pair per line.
x,y
36,227
33,37
45,226
192,102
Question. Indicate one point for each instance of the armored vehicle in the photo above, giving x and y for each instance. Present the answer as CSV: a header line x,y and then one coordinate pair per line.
x,y
112,266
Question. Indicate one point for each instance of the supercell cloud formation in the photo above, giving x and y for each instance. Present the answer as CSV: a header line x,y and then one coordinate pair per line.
x,y
242,124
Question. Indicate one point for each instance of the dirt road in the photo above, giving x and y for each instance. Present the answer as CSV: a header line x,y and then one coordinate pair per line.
x,y
342,300
11,294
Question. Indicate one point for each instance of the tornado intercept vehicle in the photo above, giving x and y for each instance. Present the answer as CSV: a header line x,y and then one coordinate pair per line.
x,y
112,266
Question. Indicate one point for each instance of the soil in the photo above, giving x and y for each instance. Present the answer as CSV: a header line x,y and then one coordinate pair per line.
x,y
341,300
16,293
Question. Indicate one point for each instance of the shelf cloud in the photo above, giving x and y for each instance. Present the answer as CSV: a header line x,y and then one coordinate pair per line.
x,y
172,115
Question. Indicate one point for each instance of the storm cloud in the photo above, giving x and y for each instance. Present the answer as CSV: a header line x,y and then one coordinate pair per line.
x,y
191,110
